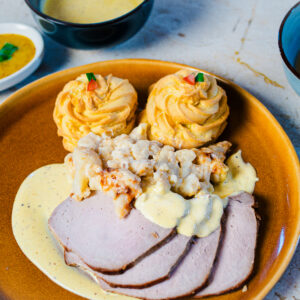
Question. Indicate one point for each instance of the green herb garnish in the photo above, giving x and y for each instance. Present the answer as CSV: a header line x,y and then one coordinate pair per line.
x,y
90,76
199,77
7,51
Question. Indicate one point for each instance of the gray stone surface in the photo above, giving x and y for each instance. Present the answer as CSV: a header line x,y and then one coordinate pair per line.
x,y
208,35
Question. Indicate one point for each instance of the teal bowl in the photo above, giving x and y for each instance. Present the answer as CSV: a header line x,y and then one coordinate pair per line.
x,y
289,46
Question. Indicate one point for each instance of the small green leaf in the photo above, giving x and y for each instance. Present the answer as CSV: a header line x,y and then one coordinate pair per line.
x,y
4,57
199,77
7,51
9,48
90,76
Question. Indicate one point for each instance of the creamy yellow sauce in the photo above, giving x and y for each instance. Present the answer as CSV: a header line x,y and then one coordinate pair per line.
x,y
211,223
164,208
241,177
201,215
20,58
88,11
37,197
200,209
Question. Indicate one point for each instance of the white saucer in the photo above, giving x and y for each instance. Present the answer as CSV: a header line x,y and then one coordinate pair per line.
x,y
28,69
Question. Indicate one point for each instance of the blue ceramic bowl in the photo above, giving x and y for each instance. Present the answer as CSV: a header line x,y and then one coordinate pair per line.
x,y
289,45
95,35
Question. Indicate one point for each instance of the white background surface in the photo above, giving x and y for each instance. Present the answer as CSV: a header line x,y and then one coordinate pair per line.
x,y
205,34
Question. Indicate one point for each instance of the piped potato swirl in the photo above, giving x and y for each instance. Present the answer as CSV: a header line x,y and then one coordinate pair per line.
x,y
185,115
109,109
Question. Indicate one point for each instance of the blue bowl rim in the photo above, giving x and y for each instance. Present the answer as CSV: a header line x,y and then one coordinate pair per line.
x,y
86,25
288,64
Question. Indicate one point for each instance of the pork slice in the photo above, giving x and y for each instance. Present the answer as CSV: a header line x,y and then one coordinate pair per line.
x,y
235,258
92,230
155,268
188,277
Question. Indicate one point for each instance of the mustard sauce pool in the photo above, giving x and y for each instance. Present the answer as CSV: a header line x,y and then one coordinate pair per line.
x,y
40,193
20,58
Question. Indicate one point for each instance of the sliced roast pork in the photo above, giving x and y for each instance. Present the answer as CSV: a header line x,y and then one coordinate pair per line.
x,y
235,258
191,274
92,230
156,267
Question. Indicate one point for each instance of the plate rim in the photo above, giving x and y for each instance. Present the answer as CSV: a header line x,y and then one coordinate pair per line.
x,y
292,153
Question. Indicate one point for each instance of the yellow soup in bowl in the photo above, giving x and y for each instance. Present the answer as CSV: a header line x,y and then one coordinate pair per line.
x,y
88,11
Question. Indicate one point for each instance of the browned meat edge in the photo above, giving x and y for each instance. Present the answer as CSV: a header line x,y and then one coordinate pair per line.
x,y
131,264
158,280
191,293
238,286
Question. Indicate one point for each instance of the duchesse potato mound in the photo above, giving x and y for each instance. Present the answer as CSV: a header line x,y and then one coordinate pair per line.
x,y
185,115
108,109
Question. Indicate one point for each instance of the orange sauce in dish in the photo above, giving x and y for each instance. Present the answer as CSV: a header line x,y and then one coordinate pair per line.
x,y
20,58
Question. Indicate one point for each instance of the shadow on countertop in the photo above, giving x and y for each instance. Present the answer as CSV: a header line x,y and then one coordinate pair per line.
x,y
168,18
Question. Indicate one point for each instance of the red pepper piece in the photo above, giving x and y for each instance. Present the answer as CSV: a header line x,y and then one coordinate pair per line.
x,y
92,85
190,79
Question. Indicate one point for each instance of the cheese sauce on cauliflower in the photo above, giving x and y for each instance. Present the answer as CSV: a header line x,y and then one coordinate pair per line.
x,y
126,165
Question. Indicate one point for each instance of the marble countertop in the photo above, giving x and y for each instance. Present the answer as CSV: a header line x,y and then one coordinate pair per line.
x,y
231,38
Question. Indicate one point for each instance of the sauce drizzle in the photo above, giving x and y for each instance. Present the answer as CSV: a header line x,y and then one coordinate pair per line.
x,y
37,197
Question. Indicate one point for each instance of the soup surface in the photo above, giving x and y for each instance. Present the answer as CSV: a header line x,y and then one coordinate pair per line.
x,y
88,11
21,57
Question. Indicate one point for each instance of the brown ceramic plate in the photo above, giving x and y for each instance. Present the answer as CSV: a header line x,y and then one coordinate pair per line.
x,y
28,141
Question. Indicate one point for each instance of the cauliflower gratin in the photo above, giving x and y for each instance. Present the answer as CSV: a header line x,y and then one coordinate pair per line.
x,y
124,166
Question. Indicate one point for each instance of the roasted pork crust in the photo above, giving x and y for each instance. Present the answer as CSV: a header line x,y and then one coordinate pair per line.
x,y
125,267
191,293
158,280
133,263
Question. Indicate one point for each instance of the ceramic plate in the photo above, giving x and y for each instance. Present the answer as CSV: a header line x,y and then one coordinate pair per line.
x,y
28,141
